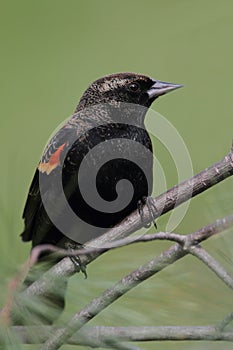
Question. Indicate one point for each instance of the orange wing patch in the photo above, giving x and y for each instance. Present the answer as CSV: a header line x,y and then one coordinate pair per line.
x,y
53,162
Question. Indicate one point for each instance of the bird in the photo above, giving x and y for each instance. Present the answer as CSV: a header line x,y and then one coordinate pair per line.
x,y
96,169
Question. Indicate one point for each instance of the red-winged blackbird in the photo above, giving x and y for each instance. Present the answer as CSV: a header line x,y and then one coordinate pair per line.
x,y
110,112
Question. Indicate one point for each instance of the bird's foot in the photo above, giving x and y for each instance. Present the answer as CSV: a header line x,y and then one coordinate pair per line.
x,y
76,259
149,202
79,264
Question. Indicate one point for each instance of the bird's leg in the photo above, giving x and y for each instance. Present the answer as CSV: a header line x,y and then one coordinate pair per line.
x,y
76,259
152,209
149,202
140,205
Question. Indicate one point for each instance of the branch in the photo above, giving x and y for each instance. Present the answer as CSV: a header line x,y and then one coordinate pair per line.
x,y
99,335
225,322
130,281
194,238
173,198
164,203
213,264
204,233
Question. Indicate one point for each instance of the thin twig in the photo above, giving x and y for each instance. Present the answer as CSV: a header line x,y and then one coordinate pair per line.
x,y
213,264
198,236
225,322
98,335
212,229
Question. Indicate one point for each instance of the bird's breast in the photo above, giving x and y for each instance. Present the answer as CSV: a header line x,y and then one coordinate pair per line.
x,y
110,167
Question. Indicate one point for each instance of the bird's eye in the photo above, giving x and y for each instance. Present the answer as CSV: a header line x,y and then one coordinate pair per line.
x,y
134,87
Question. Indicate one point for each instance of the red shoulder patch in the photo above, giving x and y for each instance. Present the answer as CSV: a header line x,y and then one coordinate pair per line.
x,y
53,162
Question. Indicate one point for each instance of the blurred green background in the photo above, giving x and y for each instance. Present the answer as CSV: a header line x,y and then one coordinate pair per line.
x,y
50,51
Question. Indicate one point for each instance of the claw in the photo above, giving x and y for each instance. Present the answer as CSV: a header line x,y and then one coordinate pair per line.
x,y
76,259
140,211
152,209
148,201
80,266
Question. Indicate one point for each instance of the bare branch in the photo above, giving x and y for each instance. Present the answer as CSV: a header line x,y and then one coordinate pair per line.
x,y
212,229
204,233
99,335
128,282
173,198
164,203
213,264
225,322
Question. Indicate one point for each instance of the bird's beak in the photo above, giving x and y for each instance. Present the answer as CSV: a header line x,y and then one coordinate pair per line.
x,y
161,88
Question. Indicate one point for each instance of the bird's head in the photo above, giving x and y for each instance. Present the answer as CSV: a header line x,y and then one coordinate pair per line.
x,y
127,88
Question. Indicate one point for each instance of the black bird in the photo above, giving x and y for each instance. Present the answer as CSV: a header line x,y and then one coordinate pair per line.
x,y
108,123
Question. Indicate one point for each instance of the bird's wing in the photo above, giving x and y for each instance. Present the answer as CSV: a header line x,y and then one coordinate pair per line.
x,y
50,163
